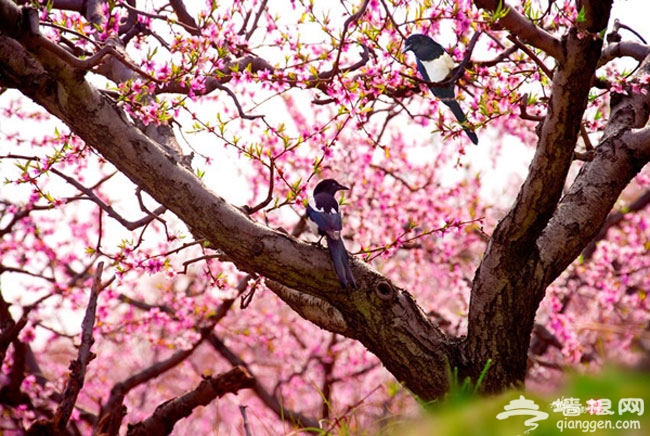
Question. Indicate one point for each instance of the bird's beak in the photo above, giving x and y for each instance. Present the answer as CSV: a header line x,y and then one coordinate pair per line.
x,y
406,48
343,188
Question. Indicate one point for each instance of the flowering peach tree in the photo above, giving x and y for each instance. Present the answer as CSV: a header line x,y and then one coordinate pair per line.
x,y
156,160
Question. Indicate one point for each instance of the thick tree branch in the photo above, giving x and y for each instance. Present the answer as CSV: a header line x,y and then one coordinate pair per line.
x,y
170,412
617,159
613,219
184,17
523,28
631,49
9,329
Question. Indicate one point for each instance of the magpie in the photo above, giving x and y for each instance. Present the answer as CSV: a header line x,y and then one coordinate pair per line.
x,y
435,65
328,220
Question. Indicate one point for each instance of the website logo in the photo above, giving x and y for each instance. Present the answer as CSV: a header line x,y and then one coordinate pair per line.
x,y
571,410
524,407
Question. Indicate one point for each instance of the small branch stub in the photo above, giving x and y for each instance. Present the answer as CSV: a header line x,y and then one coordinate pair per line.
x,y
385,291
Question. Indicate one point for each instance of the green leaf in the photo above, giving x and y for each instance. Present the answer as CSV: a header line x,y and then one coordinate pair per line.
x,y
497,14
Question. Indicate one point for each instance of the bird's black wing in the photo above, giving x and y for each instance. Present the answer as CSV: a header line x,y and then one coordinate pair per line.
x,y
328,219
326,215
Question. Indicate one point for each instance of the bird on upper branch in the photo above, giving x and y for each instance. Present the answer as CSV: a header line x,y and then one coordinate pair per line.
x,y
325,214
435,65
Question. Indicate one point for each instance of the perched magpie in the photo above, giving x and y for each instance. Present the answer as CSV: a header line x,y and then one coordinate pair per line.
x,y
435,65
327,218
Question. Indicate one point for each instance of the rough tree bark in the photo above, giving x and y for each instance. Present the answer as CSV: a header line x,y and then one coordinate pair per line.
x,y
538,238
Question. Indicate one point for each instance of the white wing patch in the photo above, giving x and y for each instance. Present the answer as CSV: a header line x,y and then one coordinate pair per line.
x,y
334,234
312,226
438,69
312,203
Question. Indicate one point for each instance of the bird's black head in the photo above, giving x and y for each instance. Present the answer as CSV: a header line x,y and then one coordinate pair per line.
x,y
329,186
424,47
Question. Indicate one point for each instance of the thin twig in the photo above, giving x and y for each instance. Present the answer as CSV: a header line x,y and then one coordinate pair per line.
x,y
269,195
185,20
242,410
84,356
523,47
505,54
68,30
318,81
392,19
460,69
348,410
270,400
351,19
399,242
585,137
619,25
156,213
232,95
523,109
400,178
130,225
93,60
200,258
256,19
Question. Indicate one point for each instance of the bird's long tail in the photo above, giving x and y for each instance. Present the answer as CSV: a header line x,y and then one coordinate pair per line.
x,y
341,264
462,119
448,97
